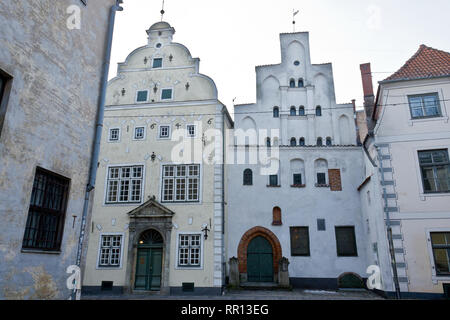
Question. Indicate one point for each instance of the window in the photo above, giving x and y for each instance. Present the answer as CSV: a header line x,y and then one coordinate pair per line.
x,y
273,180
3,97
435,168
319,142
440,242
292,83
293,142
46,214
268,142
181,183
301,111
346,242
293,111
142,96
139,133
166,94
110,251
318,111
190,130
189,250
248,177
164,132
302,141
297,179
276,213
299,241
276,112
157,63
114,134
300,83
321,178
329,143
124,184
423,106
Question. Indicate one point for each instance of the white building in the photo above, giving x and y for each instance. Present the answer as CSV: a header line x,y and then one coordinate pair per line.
x,y
153,201
308,208
407,185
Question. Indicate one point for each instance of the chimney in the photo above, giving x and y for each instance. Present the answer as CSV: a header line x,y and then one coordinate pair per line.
x,y
369,98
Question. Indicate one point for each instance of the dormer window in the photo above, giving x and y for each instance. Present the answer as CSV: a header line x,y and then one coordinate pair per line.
x,y
157,63
292,83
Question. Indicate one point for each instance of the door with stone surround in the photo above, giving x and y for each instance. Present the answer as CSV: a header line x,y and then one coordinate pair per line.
x,y
259,260
149,262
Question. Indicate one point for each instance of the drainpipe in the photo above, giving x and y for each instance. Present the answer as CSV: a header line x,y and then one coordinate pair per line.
x,y
389,229
98,129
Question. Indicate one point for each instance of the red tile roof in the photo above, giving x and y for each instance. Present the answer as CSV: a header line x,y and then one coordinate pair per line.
x,y
425,63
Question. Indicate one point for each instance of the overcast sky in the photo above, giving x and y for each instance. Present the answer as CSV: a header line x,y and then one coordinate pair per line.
x,y
232,37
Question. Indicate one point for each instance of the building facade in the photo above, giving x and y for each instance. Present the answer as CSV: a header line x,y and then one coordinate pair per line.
x,y
50,76
407,186
292,185
158,209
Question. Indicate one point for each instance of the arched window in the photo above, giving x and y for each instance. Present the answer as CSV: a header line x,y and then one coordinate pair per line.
x,y
276,112
268,142
318,111
276,212
302,141
301,111
293,142
319,142
329,143
248,177
300,83
293,111
292,83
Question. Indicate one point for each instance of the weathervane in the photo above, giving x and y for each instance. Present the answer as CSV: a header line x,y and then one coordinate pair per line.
x,y
294,13
162,11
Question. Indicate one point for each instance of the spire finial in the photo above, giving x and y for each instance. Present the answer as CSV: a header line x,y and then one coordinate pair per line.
x,y
294,13
162,11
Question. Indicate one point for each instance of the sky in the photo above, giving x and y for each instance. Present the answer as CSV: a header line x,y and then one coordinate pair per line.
x,y
232,37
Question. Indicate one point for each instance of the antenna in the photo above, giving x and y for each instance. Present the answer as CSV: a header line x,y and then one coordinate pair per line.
x,y
162,11
294,13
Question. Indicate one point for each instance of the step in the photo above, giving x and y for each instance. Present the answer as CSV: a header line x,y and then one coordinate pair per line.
x,y
262,286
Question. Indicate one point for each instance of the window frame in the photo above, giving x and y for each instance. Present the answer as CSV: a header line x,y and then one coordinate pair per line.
x,y
318,111
169,136
110,267
118,135
186,178
293,111
276,112
308,254
187,131
423,108
137,96
171,94
436,246
301,111
302,142
47,212
355,246
433,166
119,179
293,142
159,59
143,135
247,177
270,180
177,252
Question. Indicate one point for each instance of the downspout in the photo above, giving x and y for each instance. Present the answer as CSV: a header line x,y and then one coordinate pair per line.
x,y
99,127
389,229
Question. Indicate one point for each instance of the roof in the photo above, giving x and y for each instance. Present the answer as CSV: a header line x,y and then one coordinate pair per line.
x,y
160,25
426,63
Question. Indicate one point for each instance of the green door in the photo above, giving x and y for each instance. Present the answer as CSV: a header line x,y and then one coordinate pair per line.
x,y
148,269
259,260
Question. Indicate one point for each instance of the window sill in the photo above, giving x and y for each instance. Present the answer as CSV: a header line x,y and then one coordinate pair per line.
x,y
39,251
424,196
298,186
426,119
277,223
270,186
322,185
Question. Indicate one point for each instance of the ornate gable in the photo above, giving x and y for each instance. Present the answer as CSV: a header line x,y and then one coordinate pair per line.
x,y
151,209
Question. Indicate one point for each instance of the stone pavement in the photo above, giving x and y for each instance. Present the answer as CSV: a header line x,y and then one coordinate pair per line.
x,y
296,294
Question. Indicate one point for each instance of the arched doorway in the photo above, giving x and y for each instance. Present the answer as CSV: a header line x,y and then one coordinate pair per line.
x,y
149,261
259,260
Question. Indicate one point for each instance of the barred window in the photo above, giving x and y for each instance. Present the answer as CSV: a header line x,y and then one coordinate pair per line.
x,y
45,222
124,184
110,251
181,183
435,168
189,250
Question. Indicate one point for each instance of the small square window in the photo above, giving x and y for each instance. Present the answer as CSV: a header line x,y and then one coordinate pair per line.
x,y
157,63
139,133
114,134
273,180
164,132
191,130
166,94
142,96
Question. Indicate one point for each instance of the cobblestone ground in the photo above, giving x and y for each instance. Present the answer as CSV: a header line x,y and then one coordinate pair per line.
x,y
255,295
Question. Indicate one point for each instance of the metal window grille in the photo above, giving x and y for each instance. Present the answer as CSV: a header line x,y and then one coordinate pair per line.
x,y
45,222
